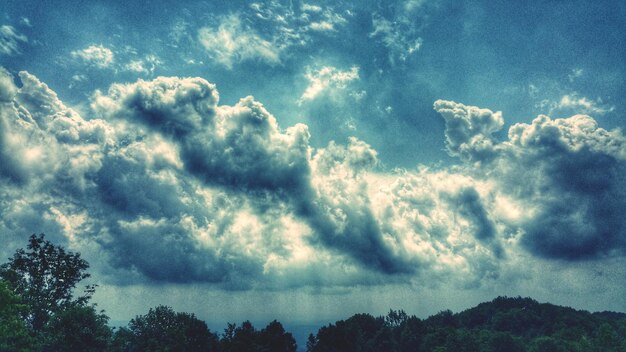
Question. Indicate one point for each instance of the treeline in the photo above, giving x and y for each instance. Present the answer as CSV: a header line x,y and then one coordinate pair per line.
x,y
39,312
503,325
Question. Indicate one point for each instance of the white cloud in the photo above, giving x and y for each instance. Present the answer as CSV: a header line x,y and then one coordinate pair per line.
x,y
327,78
469,129
95,55
310,8
146,65
327,20
232,42
573,103
10,40
583,105
235,38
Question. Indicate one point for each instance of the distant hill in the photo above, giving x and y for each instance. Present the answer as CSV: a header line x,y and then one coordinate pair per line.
x,y
504,324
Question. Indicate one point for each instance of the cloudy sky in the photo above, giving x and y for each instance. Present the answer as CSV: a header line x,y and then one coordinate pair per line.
x,y
309,160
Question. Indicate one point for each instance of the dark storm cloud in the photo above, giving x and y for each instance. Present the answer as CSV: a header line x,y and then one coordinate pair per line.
x,y
578,188
468,203
242,148
171,105
342,216
568,175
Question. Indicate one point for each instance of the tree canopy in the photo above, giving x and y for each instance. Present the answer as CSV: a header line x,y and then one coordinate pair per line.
x,y
44,276
504,324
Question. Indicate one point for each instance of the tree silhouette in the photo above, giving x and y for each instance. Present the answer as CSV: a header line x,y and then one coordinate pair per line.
x,y
273,338
163,329
78,328
44,276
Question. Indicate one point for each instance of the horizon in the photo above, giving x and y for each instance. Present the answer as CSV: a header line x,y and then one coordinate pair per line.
x,y
316,159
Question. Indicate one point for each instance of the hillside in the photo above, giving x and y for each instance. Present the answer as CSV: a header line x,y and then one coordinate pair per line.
x,y
504,324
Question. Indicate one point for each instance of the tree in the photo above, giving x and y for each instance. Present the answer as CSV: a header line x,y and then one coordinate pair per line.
x,y
14,335
273,338
242,338
78,328
163,329
45,276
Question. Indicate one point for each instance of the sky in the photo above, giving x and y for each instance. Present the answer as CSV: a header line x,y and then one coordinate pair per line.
x,y
306,161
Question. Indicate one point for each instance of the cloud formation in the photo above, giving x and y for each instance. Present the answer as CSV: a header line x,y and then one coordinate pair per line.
x,y
566,175
10,39
95,55
161,183
327,77
232,42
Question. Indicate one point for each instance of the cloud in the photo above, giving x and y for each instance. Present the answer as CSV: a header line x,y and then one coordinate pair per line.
x,y
232,42
574,184
565,173
321,20
269,33
160,183
95,55
469,129
146,65
327,78
7,87
582,105
397,36
10,40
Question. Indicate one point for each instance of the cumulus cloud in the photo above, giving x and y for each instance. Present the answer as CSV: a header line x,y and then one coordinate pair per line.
x,y
567,175
158,182
469,129
95,55
10,39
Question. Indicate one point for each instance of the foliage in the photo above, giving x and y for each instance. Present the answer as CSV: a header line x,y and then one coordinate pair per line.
x,y
163,329
272,338
504,324
78,328
44,276
14,334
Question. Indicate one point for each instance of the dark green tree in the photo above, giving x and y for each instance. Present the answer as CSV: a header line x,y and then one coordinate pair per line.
x,y
361,332
44,276
14,336
503,342
547,344
274,338
163,329
311,343
78,328
244,338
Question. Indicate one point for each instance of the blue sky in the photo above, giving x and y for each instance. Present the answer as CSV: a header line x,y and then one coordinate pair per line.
x,y
338,156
